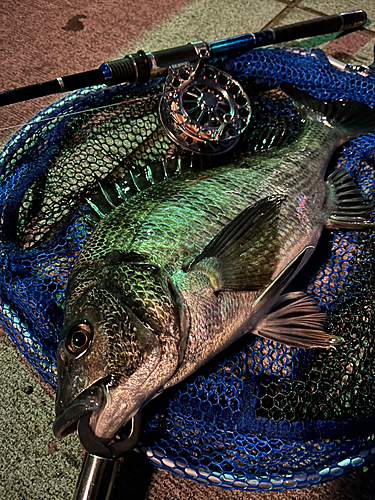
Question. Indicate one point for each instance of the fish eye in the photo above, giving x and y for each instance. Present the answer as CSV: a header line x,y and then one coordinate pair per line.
x,y
79,338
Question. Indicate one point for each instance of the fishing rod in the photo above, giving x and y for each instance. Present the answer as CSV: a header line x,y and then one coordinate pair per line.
x,y
146,66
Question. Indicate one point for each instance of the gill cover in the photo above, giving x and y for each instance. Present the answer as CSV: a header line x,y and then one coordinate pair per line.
x,y
121,342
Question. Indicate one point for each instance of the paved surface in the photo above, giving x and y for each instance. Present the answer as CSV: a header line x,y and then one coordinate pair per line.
x,y
47,38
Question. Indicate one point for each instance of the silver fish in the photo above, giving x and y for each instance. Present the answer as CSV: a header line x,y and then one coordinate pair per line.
x,y
175,274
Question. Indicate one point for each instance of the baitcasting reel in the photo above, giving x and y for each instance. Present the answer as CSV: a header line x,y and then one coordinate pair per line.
x,y
203,109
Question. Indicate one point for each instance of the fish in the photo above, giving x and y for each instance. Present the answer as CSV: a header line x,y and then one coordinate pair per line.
x,y
177,273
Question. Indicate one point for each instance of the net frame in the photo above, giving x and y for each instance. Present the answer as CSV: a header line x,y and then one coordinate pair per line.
x,y
228,425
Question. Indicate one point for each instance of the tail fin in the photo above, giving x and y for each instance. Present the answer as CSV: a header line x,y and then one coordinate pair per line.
x,y
353,117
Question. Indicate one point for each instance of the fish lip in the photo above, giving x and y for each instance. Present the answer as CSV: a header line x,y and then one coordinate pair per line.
x,y
91,400
129,396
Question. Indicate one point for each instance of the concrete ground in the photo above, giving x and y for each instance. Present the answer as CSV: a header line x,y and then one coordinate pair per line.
x,y
48,38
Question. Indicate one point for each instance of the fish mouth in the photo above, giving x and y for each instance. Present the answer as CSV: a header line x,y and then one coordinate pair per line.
x,y
91,400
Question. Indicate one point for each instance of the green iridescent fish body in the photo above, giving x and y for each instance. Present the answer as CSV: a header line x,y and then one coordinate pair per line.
x,y
178,272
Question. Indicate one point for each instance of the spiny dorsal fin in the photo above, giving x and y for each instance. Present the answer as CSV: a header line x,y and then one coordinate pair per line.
x,y
103,202
355,118
242,256
262,139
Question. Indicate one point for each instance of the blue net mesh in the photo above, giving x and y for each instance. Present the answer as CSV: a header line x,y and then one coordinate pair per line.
x,y
261,416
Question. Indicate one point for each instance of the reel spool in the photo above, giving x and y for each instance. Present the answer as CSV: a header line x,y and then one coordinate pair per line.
x,y
204,110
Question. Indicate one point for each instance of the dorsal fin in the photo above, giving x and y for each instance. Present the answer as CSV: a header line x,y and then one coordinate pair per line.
x,y
354,118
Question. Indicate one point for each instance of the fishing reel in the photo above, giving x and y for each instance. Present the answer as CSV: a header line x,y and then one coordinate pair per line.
x,y
203,109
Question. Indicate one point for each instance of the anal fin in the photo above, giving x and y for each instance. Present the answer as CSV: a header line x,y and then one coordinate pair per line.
x,y
297,322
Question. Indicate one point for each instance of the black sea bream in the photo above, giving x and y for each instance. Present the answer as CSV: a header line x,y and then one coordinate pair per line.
x,y
178,272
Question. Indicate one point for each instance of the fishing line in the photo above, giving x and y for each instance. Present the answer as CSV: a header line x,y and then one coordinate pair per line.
x,y
32,123
363,70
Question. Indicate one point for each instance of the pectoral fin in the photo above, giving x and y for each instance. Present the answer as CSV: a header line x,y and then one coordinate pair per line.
x,y
243,255
348,208
297,322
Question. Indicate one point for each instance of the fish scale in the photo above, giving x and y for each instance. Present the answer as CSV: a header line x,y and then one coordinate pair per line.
x,y
181,206
287,417
192,284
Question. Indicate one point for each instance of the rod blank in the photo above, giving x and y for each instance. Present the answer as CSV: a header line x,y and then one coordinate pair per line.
x,y
142,67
